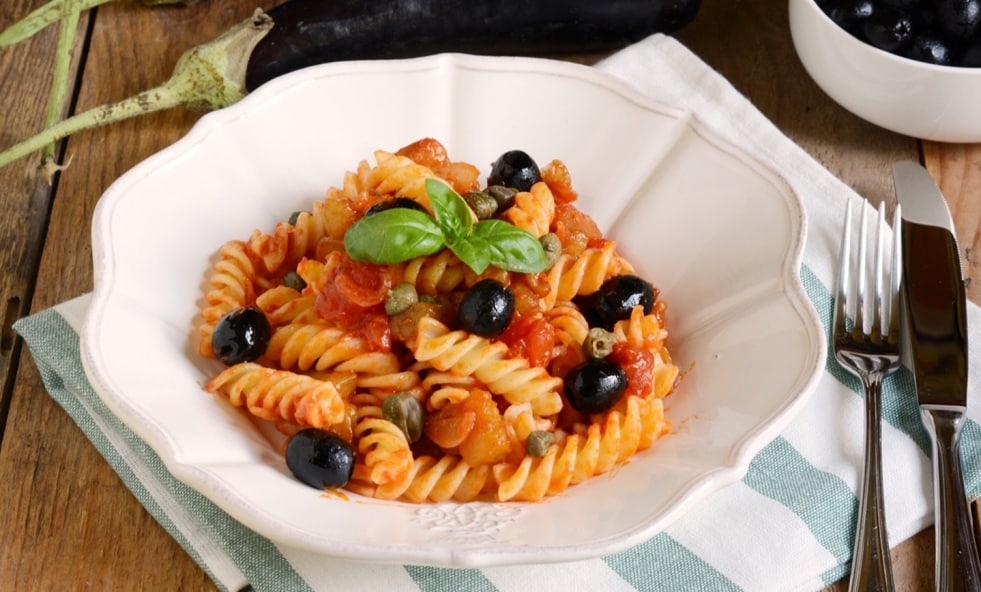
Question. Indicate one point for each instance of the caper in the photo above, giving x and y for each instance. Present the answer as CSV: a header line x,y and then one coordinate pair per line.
x,y
538,442
294,280
504,196
483,205
552,247
403,410
598,343
400,298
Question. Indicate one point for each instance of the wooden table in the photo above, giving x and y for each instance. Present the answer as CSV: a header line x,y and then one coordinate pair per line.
x,y
67,520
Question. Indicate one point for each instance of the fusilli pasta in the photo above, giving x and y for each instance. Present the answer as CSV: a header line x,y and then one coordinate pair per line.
x,y
498,419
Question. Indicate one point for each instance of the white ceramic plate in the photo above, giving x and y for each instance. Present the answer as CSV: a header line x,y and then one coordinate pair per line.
x,y
717,232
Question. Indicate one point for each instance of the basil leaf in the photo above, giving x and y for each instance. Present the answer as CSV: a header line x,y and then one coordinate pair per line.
x,y
393,236
510,247
474,253
452,213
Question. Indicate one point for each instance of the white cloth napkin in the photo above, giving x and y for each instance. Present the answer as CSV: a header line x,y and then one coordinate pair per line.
x,y
787,526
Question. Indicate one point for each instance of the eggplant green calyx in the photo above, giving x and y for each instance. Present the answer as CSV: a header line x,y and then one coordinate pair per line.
x,y
399,234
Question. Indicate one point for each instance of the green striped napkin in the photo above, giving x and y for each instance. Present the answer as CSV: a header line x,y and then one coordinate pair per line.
x,y
787,526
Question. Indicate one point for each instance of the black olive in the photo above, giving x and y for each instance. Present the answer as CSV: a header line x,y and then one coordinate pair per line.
x,y
616,299
595,385
890,29
515,169
319,458
971,57
929,49
957,20
396,202
241,336
486,308
851,14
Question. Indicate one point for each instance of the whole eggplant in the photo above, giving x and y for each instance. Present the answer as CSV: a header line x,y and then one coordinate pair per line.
x,y
301,33
309,32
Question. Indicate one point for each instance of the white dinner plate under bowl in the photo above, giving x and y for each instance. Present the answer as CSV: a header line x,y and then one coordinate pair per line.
x,y
717,232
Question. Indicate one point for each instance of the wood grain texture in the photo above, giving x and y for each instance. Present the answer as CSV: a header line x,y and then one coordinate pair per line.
x,y
25,196
957,169
68,520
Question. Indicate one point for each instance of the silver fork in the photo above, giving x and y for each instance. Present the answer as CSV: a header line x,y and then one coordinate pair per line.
x,y
869,349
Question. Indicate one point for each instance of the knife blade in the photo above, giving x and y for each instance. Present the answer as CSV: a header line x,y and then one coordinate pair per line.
x,y
934,337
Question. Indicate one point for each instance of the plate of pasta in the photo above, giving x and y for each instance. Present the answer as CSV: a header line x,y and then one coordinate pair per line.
x,y
471,328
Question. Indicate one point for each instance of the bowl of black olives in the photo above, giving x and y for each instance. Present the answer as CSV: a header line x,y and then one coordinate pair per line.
x,y
910,66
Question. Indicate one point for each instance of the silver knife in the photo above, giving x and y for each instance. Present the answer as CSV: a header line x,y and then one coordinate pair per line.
x,y
935,343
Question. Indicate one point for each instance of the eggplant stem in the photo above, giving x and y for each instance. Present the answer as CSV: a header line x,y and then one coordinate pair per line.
x,y
59,78
46,14
40,18
208,76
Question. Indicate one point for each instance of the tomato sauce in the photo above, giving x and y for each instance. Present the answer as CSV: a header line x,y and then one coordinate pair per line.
x,y
353,297
530,337
638,363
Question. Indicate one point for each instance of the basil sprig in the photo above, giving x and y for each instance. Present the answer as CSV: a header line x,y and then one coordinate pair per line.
x,y
399,234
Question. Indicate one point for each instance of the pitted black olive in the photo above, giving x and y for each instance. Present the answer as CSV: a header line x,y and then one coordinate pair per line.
x,y
958,20
938,32
241,336
396,202
595,385
616,299
929,49
487,308
890,29
515,169
320,458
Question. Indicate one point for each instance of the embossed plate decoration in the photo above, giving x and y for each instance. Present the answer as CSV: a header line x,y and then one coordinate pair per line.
x,y
716,231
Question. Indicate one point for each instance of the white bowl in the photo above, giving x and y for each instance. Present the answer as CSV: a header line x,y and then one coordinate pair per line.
x,y
717,232
927,101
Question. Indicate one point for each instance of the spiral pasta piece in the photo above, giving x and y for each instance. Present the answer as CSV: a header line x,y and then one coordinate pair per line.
x,y
641,330
317,345
279,395
533,210
386,455
626,430
449,477
465,354
400,175
573,276
283,305
571,327
234,283
435,274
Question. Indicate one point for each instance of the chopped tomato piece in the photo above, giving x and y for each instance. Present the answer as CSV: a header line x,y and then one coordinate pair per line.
x,y
488,442
574,228
450,426
556,176
531,337
427,152
352,297
638,363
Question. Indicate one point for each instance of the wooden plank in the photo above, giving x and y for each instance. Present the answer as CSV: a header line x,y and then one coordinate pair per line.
x,y
25,77
66,506
957,169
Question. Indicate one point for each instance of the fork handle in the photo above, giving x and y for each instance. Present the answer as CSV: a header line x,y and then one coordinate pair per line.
x,y
957,553
871,561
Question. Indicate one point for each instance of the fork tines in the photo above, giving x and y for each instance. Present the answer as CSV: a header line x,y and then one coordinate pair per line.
x,y
855,301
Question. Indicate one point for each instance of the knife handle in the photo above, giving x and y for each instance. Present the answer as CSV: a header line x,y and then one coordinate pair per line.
x,y
958,569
